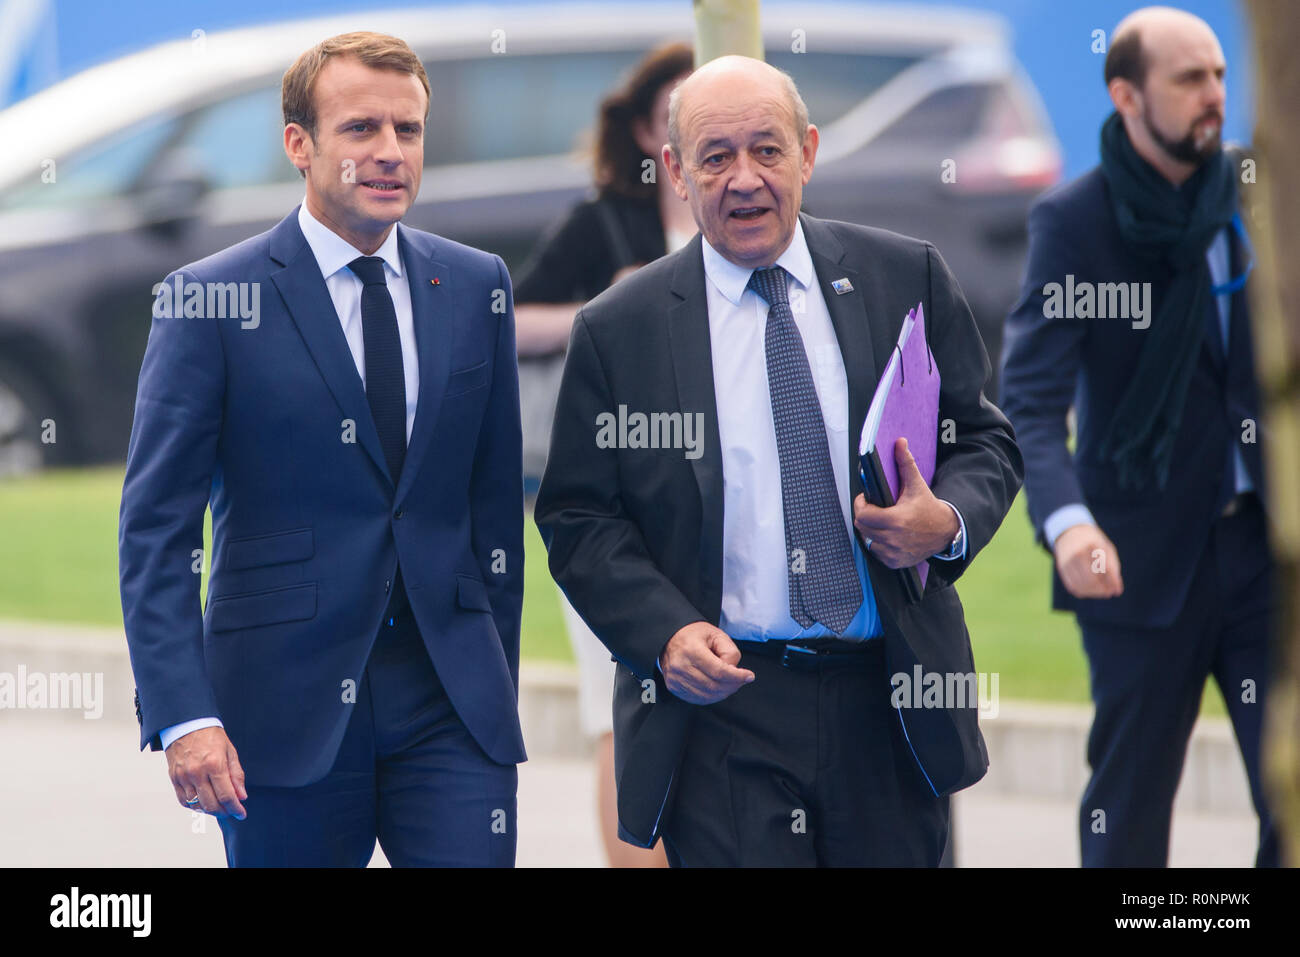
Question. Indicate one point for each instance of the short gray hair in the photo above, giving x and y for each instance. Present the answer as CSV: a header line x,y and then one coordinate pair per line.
x,y
791,92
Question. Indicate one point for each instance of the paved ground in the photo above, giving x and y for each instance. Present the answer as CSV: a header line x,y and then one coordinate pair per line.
x,y
77,794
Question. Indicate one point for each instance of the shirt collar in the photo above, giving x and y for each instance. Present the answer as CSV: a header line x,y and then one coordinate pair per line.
x,y
732,280
333,252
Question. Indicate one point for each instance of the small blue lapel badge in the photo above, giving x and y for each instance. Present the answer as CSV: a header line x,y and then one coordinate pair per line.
x,y
842,286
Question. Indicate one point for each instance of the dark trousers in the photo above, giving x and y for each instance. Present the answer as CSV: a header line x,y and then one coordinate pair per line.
x,y
1147,685
804,768
408,773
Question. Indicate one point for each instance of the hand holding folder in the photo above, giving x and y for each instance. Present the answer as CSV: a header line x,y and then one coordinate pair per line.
x,y
905,405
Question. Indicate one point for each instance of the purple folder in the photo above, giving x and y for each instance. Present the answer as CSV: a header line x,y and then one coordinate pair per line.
x,y
906,404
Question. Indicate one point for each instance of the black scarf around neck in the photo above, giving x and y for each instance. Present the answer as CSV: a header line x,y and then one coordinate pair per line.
x,y
1172,227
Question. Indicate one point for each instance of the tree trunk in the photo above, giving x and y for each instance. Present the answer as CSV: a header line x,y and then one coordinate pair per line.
x,y
1274,203
726,26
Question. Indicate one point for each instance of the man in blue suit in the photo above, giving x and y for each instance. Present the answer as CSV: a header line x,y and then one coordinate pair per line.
x,y
354,674
1134,310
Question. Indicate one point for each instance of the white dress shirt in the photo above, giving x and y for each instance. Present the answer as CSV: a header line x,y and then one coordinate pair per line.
x,y
1219,262
333,253
755,586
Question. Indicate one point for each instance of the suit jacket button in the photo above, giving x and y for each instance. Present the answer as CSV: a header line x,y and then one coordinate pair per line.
x,y
397,514
388,585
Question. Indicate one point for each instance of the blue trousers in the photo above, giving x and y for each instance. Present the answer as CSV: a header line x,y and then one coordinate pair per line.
x,y
1147,685
408,773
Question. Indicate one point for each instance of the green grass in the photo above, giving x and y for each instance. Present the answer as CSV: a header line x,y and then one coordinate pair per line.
x,y
543,634
58,557
58,546
58,561
1037,653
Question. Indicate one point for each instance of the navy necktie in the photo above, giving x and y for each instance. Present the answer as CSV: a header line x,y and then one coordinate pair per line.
x,y
385,377
385,385
824,586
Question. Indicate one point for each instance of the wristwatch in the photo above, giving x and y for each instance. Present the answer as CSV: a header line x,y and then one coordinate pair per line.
x,y
958,545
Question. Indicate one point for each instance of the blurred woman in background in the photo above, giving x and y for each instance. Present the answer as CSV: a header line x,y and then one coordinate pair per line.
x,y
634,218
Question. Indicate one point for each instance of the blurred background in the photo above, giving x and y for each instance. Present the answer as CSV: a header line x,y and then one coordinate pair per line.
x,y
143,135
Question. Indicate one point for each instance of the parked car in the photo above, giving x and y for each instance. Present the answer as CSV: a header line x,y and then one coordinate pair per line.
x,y
114,177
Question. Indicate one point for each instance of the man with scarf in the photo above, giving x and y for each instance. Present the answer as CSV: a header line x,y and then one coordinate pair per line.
x,y
1157,520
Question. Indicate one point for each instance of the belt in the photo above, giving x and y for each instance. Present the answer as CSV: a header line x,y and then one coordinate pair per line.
x,y
396,617
1238,503
814,653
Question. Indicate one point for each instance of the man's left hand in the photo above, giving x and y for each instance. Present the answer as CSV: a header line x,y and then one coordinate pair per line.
x,y
915,527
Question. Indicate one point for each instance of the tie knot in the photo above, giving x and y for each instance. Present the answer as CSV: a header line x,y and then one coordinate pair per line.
x,y
369,269
770,284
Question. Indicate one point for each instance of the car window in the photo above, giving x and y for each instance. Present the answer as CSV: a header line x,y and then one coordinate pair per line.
x,y
833,83
239,141
497,108
508,107
949,115
482,108
96,172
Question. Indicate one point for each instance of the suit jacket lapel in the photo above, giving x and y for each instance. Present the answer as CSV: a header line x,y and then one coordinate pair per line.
x,y
431,309
308,301
866,335
854,329
692,357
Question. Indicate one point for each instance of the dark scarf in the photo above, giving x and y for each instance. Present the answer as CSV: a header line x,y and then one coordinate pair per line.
x,y
1173,228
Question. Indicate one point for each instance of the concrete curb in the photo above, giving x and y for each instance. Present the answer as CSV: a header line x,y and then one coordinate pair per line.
x,y
1035,750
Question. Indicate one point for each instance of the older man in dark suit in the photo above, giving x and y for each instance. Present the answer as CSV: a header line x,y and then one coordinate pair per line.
x,y
729,560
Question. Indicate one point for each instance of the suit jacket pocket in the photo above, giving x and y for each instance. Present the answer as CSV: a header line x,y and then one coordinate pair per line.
x,y
935,582
466,380
273,549
253,609
472,594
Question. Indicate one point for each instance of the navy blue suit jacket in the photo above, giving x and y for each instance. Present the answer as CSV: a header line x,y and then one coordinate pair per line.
x,y
307,526
1050,364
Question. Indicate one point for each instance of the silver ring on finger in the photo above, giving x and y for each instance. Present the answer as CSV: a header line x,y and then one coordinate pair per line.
x,y
192,801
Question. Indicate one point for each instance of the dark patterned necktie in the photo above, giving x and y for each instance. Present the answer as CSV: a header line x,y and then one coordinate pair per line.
x,y
827,588
385,377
